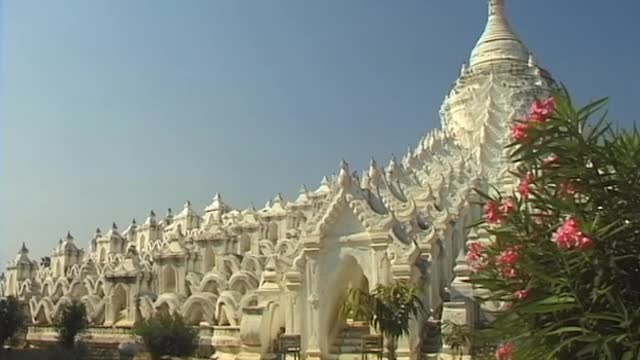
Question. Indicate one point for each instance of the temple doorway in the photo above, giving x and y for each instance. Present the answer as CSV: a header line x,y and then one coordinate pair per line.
x,y
349,274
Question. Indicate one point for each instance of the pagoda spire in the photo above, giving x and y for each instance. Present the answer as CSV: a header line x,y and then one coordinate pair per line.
x,y
496,7
498,41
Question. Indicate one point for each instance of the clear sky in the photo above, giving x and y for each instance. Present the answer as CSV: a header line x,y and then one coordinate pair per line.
x,y
110,108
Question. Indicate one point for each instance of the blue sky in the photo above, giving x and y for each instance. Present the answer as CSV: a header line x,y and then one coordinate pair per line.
x,y
110,108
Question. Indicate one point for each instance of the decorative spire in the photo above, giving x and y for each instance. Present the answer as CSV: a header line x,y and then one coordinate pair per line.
x,y
498,42
187,210
151,220
23,249
496,6
278,199
364,181
133,221
98,232
344,179
392,169
303,195
392,161
216,203
69,237
114,227
373,175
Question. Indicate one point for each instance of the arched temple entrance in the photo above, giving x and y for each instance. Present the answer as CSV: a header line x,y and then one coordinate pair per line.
x,y
338,273
348,274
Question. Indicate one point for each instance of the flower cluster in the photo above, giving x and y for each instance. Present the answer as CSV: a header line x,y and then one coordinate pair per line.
x,y
524,188
567,188
507,260
569,236
495,213
504,352
540,111
521,294
550,160
519,131
475,258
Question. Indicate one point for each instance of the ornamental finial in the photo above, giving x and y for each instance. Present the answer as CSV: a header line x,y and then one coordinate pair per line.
x,y
496,7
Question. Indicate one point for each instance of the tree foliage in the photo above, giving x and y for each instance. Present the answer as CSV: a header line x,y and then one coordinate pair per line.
x,y
72,321
12,318
166,334
457,336
565,252
388,308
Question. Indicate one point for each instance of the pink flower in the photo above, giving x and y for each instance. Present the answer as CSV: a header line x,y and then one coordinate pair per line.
x,y
519,131
491,213
475,259
473,256
478,266
475,246
507,206
508,272
524,187
541,110
521,294
569,236
474,250
550,160
585,243
508,257
504,352
567,188
506,262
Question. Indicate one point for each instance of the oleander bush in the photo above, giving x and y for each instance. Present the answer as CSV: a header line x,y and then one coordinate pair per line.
x,y
563,258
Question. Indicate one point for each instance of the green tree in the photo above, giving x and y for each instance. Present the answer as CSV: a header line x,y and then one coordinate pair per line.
x,y
72,321
564,254
12,318
388,308
166,334
457,336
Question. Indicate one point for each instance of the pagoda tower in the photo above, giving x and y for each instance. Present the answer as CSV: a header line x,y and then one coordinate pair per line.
x,y
494,89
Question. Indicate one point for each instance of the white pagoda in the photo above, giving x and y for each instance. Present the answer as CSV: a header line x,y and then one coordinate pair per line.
x,y
242,274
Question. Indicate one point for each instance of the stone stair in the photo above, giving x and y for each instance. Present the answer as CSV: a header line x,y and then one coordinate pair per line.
x,y
346,345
